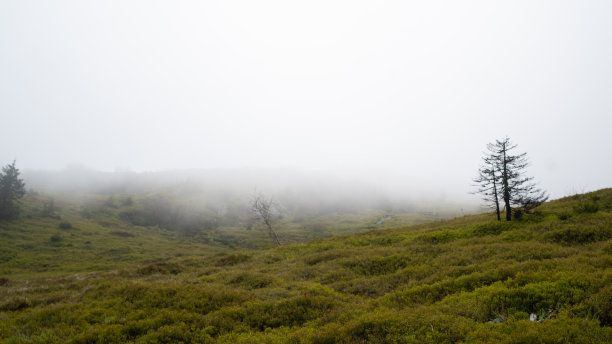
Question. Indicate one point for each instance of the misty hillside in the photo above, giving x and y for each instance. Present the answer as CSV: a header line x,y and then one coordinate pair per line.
x,y
303,190
466,280
305,172
60,232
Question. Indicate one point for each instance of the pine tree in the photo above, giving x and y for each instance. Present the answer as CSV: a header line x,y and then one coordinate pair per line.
x,y
12,188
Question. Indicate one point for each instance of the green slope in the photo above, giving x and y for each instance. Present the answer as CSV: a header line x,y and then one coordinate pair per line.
x,y
67,234
83,233
466,280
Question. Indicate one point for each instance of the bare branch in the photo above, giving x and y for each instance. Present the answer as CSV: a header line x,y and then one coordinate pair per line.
x,y
263,208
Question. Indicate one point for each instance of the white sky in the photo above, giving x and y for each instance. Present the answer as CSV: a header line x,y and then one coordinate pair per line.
x,y
391,90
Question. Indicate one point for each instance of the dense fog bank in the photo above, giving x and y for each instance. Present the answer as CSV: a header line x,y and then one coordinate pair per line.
x,y
309,192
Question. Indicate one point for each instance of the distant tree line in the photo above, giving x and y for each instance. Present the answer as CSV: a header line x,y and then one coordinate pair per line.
x,y
502,178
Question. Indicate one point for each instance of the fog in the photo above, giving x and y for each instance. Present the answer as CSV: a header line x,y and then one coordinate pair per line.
x,y
399,98
297,191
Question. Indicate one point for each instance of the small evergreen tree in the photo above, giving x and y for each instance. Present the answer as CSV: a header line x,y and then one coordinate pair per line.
x,y
504,176
12,188
518,189
488,180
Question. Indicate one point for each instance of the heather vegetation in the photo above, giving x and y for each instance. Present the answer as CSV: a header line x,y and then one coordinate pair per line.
x,y
59,233
470,279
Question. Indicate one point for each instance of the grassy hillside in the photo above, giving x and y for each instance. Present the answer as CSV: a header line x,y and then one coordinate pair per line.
x,y
466,280
67,233
60,234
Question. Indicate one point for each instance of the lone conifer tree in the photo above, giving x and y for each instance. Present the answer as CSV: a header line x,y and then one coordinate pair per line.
x,y
12,188
504,176
488,180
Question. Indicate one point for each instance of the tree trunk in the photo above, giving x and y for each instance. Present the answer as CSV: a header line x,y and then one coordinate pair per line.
x,y
496,200
505,181
273,233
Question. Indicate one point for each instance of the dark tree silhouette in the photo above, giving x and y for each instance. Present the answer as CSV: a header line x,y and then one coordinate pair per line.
x,y
504,176
488,180
12,188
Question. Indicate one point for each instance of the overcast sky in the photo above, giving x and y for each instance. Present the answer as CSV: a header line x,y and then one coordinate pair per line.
x,y
410,90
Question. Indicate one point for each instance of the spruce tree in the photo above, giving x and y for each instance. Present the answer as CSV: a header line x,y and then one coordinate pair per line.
x,y
504,176
488,181
12,188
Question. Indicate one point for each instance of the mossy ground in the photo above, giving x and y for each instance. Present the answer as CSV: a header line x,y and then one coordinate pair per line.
x,y
465,280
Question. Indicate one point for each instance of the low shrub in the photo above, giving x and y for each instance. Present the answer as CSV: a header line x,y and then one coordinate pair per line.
x,y
122,234
64,225
232,259
377,265
578,235
598,306
492,228
289,312
160,268
504,298
135,217
249,280
15,303
378,328
126,202
437,237
564,215
586,207
323,257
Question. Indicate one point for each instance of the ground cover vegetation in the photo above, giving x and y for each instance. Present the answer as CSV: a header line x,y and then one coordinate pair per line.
x,y
471,279
60,233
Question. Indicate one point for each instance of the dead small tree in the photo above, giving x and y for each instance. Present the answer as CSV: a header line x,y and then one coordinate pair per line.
x,y
264,208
